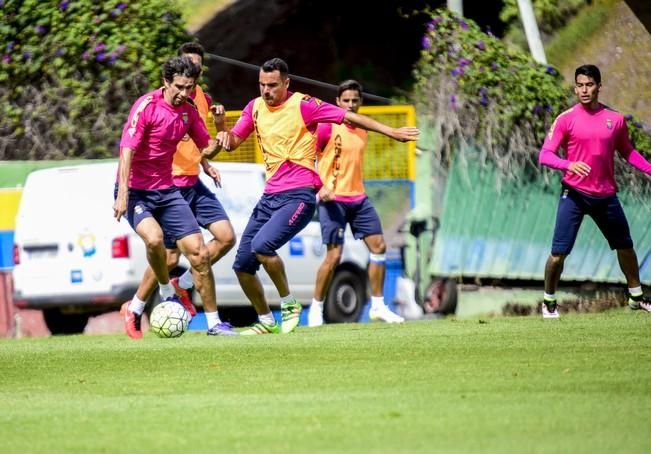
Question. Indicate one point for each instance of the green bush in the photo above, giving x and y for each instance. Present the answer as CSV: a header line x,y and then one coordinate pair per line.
x,y
470,87
550,14
70,69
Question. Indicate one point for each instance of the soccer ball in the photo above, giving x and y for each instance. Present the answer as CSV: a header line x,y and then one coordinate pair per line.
x,y
169,319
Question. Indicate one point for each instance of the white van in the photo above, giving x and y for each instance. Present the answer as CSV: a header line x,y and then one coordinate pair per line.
x,y
74,260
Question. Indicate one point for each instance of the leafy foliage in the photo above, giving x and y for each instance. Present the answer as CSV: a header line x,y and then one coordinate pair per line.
x,y
550,14
470,87
70,70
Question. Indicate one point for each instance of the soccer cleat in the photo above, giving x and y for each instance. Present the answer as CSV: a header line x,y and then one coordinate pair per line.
x,y
549,309
384,314
131,321
184,297
639,302
174,299
222,329
291,315
315,316
261,328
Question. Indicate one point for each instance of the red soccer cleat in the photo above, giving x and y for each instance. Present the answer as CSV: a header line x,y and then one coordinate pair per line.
x,y
131,321
184,296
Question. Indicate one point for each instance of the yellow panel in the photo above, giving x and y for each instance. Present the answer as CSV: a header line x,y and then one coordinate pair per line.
x,y
386,159
9,200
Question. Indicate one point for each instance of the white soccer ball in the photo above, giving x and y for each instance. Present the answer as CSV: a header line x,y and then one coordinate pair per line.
x,y
169,319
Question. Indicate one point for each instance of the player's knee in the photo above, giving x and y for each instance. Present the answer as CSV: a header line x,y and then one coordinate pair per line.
x,y
262,247
333,259
380,248
557,259
245,261
223,234
376,244
154,240
200,259
228,240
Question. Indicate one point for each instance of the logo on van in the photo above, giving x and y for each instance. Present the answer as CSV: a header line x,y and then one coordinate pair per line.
x,y
86,242
296,248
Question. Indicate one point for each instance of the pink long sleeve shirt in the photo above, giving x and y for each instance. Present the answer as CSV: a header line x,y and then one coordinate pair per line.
x,y
153,130
590,136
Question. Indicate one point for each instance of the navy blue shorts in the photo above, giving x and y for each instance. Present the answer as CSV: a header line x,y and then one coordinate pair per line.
x,y
204,204
361,216
606,212
275,220
167,207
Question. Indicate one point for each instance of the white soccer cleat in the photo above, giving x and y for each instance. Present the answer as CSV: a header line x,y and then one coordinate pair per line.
x,y
315,316
384,314
550,309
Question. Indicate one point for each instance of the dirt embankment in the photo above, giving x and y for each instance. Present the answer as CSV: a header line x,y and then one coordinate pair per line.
x,y
622,51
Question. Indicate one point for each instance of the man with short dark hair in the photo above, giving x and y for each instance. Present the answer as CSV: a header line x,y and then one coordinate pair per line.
x,y
340,156
285,124
590,132
145,192
204,205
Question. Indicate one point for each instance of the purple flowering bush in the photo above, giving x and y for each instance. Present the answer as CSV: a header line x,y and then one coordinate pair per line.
x,y
70,69
470,87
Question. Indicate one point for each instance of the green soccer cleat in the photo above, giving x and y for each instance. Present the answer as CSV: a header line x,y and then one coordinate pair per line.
x,y
261,328
291,314
639,302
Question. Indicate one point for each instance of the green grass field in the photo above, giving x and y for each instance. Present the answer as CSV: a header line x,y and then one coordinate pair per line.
x,y
581,384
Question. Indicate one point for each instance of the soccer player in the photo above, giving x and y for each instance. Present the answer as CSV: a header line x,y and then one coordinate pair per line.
x,y
206,208
343,200
590,132
285,124
145,192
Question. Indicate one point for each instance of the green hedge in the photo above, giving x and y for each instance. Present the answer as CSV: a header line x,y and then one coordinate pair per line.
x,y
70,69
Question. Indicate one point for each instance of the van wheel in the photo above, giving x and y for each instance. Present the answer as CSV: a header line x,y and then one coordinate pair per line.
x,y
59,323
441,297
345,298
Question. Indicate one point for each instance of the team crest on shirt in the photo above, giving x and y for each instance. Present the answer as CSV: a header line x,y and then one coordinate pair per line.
x,y
184,116
308,98
609,123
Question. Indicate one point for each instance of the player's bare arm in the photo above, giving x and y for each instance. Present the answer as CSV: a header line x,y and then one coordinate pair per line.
x,y
403,134
325,194
212,172
218,116
122,198
211,150
228,141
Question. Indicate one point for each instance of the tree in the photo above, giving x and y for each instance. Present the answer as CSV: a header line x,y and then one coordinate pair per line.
x,y
70,70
